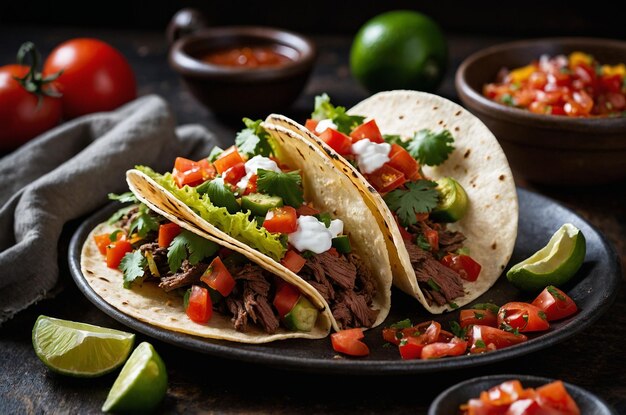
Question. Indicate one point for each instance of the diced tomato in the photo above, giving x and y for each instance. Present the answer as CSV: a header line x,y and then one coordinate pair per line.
x,y
234,174
218,277
251,187
182,164
611,83
555,303
306,210
311,125
555,396
505,393
401,160
349,342
426,332
523,317
103,240
285,298
228,159
455,347
293,261
432,236
208,170
386,178
464,265
192,173
367,130
339,142
472,316
200,308
167,233
281,220
411,348
484,338
116,251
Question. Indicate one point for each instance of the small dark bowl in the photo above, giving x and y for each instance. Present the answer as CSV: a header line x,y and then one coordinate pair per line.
x,y
448,401
541,148
236,91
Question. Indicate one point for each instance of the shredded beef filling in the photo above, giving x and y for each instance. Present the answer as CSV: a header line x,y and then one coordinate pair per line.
x,y
187,275
450,241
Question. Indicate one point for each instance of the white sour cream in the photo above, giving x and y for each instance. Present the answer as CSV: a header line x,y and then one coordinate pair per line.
x,y
252,165
371,156
324,124
312,235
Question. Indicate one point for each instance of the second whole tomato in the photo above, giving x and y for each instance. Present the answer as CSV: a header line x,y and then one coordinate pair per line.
x,y
96,77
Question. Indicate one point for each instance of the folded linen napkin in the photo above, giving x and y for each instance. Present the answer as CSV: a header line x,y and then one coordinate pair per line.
x,y
67,173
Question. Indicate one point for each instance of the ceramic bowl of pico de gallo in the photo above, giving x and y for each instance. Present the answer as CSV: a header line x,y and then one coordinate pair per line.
x,y
556,105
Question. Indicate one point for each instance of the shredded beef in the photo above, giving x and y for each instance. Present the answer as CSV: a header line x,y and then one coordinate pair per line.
x,y
237,309
358,305
342,314
125,221
450,241
187,275
158,254
336,268
365,280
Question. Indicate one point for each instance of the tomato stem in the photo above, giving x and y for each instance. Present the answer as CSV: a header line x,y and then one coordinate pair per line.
x,y
33,81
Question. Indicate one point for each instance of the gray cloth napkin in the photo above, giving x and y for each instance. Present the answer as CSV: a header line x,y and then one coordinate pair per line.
x,y
67,173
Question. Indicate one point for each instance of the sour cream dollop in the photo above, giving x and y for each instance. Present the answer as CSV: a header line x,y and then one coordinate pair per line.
x,y
252,165
371,156
312,235
324,124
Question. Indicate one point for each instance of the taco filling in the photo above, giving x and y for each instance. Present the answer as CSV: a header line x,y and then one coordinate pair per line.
x,y
246,192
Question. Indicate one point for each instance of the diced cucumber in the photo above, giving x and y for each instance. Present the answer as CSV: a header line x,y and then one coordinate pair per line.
x,y
259,203
342,244
302,316
220,195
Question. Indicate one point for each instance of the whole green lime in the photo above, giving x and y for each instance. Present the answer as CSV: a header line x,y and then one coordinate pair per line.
x,y
399,50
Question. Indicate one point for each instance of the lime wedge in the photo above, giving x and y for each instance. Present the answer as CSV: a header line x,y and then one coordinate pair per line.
x,y
141,384
80,349
554,264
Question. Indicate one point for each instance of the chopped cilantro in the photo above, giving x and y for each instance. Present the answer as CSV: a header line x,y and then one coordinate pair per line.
x,y
307,254
432,284
253,140
457,330
113,235
422,242
507,99
143,223
324,218
430,148
403,342
325,110
215,153
453,305
479,316
480,344
120,214
133,266
399,335
126,197
542,315
555,293
419,197
402,324
509,328
188,245
286,185
395,139
487,306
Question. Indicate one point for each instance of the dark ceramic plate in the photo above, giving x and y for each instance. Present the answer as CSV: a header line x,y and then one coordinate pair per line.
x,y
593,288
448,401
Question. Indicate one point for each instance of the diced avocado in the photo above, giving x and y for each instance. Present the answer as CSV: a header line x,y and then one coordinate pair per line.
x,y
342,244
220,195
259,203
152,266
302,316
453,201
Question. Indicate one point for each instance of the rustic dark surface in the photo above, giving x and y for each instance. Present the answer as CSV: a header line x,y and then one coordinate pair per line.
x,y
594,359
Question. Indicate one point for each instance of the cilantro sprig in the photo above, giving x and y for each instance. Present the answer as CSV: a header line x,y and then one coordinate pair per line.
x,y
431,148
286,185
133,265
418,197
143,222
325,110
188,245
126,197
253,140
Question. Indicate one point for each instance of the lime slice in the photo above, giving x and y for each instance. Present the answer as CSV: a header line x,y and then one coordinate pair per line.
x,y
80,349
555,264
141,384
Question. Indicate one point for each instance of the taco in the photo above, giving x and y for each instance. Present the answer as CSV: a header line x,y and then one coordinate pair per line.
x,y
282,200
163,271
437,181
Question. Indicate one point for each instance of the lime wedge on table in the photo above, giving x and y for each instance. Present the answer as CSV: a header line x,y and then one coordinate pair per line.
x,y
141,384
80,349
553,264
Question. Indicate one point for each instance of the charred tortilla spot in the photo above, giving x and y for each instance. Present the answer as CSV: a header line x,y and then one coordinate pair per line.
x,y
300,152
90,272
400,117
467,153
103,279
457,113
354,175
494,246
435,108
457,129
124,302
390,238
488,157
474,185
501,266
496,197
371,189
440,122
173,319
502,177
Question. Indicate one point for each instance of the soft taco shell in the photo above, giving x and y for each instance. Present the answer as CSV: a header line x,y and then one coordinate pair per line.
x,y
478,163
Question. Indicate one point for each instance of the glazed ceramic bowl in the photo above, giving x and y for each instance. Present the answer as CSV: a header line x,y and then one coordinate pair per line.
x,y
547,149
238,91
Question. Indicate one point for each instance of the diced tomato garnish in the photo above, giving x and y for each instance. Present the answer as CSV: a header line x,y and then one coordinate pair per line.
x,y
234,174
555,303
410,348
251,187
555,396
349,342
167,233
523,317
228,159
306,210
311,125
470,317
401,160
339,142
484,338
115,251
454,347
432,236
200,308
286,297
281,220
192,173
293,261
367,130
464,265
386,178
218,277
103,240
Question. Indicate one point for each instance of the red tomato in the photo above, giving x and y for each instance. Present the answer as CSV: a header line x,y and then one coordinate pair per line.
x,y
339,142
349,342
285,298
251,187
410,348
484,338
555,303
426,332
455,347
386,178
401,160
96,77
192,173
167,233
293,261
523,317
311,125
555,396
22,116
432,236
306,210
367,130
282,220
464,265
200,308
235,173
227,159
473,316
116,251
218,277
102,241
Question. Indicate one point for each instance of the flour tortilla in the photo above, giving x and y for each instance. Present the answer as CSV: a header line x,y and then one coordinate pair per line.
x,y
326,187
478,163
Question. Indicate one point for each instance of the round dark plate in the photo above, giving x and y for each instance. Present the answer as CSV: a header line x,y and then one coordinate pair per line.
x,y
593,289
448,401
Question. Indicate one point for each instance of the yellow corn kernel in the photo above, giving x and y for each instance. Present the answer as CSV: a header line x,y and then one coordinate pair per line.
x,y
614,70
576,58
521,74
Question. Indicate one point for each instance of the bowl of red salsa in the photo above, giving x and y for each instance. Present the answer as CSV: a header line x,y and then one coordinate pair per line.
x,y
239,70
557,106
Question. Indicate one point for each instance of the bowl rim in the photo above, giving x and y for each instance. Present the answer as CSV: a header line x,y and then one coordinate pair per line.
x,y
522,116
187,65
